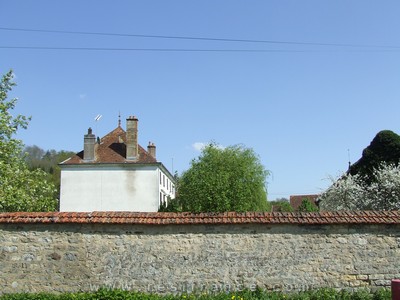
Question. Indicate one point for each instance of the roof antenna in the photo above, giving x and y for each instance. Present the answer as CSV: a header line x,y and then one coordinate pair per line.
x,y
98,117
96,120
119,119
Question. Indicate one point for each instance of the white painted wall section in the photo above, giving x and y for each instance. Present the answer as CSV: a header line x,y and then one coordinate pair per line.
x,y
86,189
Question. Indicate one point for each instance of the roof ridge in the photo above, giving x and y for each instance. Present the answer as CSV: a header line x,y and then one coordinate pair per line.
x,y
119,128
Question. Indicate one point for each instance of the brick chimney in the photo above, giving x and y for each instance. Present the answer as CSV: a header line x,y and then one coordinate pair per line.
x,y
89,141
151,148
132,152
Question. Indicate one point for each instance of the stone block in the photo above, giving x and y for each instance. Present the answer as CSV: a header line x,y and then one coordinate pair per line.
x,y
282,256
362,277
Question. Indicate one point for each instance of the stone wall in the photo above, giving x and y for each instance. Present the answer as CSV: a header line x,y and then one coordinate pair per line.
x,y
75,256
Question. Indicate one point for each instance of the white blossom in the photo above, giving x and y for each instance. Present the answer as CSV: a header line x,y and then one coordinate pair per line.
x,y
352,192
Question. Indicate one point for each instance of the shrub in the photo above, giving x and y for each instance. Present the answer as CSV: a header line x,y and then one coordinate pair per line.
x,y
258,294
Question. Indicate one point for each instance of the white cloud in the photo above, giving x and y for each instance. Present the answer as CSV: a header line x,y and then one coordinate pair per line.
x,y
82,96
198,146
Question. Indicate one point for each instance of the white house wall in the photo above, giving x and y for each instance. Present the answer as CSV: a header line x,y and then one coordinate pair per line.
x,y
86,189
166,187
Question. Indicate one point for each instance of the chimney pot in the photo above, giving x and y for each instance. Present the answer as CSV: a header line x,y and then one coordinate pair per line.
x,y
151,149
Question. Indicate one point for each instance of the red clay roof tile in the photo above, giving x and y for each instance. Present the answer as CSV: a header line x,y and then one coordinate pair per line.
x,y
112,149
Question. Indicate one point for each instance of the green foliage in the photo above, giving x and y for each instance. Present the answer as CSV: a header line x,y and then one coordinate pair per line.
x,y
173,205
48,161
385,147
382,294
281,205
106,294
307,206
229,179
20,188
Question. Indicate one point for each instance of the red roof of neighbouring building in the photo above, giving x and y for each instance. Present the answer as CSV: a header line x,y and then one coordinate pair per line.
x,y
296,200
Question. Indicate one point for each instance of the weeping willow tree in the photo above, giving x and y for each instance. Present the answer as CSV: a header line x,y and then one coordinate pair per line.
x,y
224,179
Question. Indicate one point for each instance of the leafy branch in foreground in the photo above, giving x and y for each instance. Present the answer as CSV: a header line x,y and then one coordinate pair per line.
x,y
21,189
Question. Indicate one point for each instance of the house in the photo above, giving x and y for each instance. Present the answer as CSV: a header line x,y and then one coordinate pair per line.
x,y
115,173
297,200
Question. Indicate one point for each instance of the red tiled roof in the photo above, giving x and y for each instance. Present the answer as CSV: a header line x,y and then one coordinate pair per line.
x,y
112,149
357,217
295,201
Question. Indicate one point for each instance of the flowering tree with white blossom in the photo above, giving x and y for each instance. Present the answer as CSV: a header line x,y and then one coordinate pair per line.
x,y
384,191
354,192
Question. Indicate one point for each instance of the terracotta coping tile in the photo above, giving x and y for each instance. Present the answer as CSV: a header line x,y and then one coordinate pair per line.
x,y
357,217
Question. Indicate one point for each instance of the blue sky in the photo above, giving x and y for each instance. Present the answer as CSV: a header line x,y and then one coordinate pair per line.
x,y
300,107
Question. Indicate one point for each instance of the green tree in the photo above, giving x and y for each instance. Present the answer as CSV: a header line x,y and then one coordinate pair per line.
x,y
173,205
385,147
229,179
307,206
48,161
20,188
281,205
